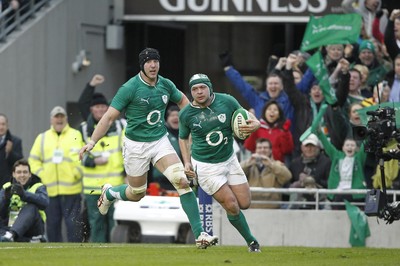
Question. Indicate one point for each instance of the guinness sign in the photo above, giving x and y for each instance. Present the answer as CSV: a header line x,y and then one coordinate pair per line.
x,y
228,10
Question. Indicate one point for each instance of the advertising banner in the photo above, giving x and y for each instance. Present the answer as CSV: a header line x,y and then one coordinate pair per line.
x,y
229,10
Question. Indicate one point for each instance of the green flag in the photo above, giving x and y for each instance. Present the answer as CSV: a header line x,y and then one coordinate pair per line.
x,y
317,66
359,230
315,123
331,29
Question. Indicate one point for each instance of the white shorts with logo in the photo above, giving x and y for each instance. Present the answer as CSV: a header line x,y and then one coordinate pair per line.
x,y
138,155
212,176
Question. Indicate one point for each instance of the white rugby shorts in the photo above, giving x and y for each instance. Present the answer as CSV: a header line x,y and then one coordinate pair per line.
x,y
212,176
138,155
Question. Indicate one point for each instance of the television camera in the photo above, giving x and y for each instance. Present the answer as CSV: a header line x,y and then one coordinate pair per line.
x,y
379,131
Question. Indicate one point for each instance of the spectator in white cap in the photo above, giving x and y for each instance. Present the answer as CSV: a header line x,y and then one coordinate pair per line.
x,y
54,158
312,163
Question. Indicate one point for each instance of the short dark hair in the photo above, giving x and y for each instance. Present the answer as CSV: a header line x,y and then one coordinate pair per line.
x,y
172,108
21,162
282,118
262,140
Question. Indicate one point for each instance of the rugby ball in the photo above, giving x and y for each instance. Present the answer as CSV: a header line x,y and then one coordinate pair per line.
x,y
239,118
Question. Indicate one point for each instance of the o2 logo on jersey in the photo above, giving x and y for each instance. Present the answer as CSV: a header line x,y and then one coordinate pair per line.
x,y
214,138
151,115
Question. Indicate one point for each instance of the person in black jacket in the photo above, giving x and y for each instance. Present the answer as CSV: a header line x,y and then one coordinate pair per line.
x,y
10,150
307,106
22,205
392,34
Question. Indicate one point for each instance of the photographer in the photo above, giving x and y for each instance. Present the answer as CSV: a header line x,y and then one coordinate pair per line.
x,y
22,204
263,171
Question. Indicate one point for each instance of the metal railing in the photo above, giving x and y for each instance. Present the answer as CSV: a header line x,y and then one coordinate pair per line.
x,y
319,195
11,20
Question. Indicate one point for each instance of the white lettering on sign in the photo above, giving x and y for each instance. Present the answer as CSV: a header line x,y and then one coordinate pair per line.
x,y
244,6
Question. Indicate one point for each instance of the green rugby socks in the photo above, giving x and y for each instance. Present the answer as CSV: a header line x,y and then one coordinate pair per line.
x,y
117,192
240,223
191,208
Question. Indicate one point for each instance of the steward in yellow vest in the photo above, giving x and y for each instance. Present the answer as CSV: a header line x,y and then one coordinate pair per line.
x,y
55,158
104,164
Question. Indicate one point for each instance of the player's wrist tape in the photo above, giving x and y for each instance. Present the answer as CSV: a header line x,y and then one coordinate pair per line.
x,y
92,142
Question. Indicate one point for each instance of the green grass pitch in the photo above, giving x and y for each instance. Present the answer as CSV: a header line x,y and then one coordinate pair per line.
x,y
54,254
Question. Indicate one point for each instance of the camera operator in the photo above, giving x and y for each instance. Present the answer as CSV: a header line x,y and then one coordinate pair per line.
x,y
263,171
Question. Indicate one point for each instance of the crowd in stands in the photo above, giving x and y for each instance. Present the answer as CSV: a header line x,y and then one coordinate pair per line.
x,y
362,74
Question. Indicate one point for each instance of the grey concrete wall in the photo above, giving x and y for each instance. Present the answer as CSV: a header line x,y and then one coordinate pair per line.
x,y
35,64
306,228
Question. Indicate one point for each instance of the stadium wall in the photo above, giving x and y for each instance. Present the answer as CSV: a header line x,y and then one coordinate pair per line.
x,y
307,228
36,61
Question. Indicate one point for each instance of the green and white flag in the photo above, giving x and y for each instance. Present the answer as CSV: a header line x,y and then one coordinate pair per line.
x,y
315,123
359,230
317,66
331,29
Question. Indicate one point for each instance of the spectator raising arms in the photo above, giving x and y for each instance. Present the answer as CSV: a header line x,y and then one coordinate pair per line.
x,y
347,169
392,34
256,100
308,103
104,162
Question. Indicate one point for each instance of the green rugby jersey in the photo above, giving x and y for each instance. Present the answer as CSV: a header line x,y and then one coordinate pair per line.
x,y
145,106
212,136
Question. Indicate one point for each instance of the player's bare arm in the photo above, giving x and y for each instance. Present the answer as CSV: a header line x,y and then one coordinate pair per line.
x,y
101,129
184,101
184,145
